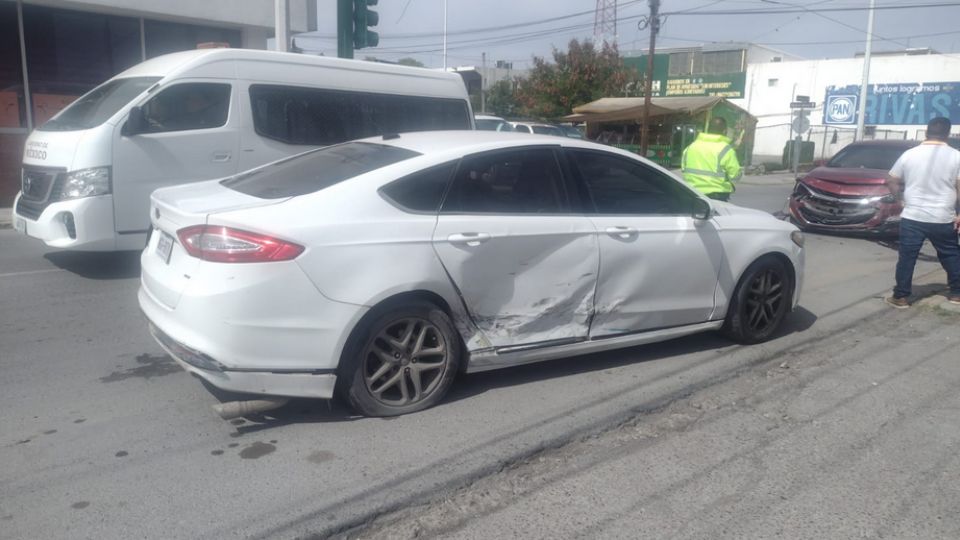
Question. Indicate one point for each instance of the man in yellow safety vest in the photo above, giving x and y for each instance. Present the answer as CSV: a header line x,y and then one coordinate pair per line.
x,y
710,163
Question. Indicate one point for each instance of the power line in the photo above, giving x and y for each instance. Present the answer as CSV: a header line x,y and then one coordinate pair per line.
x,y
774,11
424,48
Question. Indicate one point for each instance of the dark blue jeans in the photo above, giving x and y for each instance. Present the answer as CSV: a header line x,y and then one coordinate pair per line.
x,y
944,239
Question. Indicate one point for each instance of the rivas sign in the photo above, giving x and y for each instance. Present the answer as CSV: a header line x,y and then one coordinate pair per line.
x,y
903,104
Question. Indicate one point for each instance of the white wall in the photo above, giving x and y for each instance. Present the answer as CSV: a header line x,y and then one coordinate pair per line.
x,y
237,13
771,103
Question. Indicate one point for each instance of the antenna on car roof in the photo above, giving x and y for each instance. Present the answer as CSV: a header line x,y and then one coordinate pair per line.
x,y
388,136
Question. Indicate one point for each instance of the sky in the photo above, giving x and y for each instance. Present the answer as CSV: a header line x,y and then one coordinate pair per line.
x,y
516,30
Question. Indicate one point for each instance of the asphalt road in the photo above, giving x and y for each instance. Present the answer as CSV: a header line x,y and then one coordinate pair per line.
x,y
103,436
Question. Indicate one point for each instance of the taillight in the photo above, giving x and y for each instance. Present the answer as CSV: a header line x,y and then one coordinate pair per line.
x,y
227,245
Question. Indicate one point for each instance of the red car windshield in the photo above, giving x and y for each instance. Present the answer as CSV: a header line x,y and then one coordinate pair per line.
x,y
881,157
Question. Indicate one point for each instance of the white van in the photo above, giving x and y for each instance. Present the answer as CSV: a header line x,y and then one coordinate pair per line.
x,y
197,115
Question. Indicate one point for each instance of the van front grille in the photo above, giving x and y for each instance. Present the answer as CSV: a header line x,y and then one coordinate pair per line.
x,y
39,187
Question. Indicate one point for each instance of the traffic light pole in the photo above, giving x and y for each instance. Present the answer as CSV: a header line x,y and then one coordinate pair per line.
x,y
345,28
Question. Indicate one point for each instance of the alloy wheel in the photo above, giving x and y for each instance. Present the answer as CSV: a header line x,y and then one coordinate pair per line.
x,y
405,362
764,300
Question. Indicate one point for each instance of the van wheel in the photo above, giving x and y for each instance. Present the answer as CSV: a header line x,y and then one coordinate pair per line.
x,y
760,302
403,362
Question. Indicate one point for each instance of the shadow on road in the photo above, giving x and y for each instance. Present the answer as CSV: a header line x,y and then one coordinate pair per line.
x,y
467,386
95,265
300,411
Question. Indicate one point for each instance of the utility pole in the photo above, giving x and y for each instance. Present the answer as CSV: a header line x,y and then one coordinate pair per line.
x,y
483,83
653,22
281,20
444,35
862,102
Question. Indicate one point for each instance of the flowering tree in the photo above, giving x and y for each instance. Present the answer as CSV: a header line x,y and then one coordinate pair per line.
x,y
578,76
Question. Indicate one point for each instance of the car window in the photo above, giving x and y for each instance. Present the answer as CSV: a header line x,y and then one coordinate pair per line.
x,y
518,181
314,116
522,128
618,185
187,106
420,192
863,156
312,171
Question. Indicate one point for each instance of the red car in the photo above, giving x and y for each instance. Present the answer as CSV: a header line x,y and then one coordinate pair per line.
x,y
848,193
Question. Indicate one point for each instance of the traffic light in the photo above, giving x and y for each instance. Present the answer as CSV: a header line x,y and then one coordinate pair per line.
x,y
363,19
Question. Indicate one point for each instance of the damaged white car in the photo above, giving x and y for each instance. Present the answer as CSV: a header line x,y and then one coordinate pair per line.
x,y
380,269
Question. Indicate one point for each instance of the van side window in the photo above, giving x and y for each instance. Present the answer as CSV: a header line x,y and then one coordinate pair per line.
x,y
188,106
313,116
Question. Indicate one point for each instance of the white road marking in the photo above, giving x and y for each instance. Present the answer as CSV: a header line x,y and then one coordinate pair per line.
x,y
27,273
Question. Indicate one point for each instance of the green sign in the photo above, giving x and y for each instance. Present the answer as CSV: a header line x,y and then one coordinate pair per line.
x,y
728,85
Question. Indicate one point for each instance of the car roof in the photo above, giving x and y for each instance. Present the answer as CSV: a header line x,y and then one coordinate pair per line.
x,y
890,143
468,142
488,117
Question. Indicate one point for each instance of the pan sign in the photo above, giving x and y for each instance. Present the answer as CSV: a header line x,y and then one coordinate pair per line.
x,y
840,110
899,104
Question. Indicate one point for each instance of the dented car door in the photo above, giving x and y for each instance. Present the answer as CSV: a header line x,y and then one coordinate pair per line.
x,y
524,264
659,265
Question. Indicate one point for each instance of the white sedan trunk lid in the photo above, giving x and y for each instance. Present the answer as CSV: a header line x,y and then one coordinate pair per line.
x,y
166,266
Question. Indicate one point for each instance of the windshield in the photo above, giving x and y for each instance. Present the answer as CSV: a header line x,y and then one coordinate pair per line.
x,y
867,157
572,132
315,170
547,130
488,125
99,104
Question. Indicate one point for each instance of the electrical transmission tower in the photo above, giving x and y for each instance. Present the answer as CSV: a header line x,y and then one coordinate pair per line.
x,y
605,22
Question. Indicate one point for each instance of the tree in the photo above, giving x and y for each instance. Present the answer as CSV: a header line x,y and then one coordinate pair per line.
x,y
501,100
578,76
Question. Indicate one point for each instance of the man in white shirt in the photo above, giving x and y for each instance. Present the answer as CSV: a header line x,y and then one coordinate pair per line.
x,y
927,179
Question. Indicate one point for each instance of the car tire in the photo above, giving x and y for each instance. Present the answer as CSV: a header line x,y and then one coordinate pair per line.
x,y
403,361
760,302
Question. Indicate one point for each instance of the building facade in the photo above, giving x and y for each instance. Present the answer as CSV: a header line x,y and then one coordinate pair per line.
x,y
906,90
718,70
53,51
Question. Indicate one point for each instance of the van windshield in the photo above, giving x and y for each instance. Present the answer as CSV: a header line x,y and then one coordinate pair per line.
x,y
99,104
315,170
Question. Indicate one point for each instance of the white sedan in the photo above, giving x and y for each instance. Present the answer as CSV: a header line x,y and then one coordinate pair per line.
x,y
380,269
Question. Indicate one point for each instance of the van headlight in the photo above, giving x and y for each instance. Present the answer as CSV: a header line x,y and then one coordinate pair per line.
x,y
86,183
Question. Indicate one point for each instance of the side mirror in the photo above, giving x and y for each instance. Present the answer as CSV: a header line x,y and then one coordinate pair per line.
x,y
136,122
701,209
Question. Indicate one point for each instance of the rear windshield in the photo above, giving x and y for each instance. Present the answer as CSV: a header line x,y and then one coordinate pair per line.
x,y
315,170
867,157
99,104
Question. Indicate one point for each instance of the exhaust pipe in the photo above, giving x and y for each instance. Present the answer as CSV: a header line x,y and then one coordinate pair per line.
x,y
236,409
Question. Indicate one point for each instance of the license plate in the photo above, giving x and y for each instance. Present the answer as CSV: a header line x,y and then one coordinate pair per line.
x,y
20,225
165,247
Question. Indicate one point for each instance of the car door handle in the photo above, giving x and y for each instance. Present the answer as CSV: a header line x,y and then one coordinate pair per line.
x,y
621,232
472,239
221,157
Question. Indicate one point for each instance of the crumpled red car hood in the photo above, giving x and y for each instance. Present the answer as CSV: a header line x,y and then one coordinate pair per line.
x,y
866,182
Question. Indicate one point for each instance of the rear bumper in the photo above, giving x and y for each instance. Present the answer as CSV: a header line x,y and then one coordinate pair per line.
x,y
81,224
316,384
252,328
